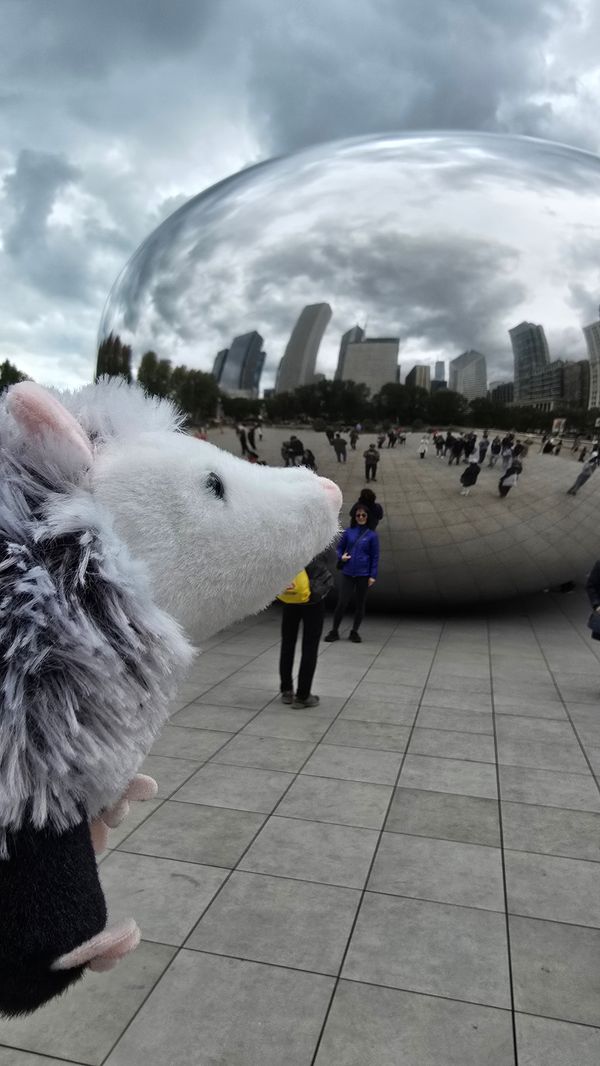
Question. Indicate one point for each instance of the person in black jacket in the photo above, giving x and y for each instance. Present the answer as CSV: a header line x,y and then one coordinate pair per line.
x,y
469,476
368,499
592,587
311,615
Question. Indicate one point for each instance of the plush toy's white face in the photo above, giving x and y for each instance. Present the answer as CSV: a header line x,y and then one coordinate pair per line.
x,y
221,537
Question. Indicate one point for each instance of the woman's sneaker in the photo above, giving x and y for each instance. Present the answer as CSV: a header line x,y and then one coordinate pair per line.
x,y
287,697
355,637
310,701
333,635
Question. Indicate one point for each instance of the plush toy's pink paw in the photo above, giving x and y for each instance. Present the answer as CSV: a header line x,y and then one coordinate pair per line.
x,y
142,787
103,951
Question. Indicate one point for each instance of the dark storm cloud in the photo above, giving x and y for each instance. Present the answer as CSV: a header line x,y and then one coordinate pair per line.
x,y
321,71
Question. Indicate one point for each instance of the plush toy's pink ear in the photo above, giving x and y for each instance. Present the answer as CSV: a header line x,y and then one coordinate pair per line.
x,y
38,412
103,951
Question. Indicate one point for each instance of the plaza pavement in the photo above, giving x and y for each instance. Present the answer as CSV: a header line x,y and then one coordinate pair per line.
x,y
407,875
395,878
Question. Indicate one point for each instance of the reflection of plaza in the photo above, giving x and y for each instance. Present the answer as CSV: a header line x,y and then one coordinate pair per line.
x,y
439,548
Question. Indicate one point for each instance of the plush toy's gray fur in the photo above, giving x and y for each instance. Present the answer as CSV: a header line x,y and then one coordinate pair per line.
x,y
87,660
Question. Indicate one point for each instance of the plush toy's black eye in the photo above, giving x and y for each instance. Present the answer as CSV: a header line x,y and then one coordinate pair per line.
x,y
214,483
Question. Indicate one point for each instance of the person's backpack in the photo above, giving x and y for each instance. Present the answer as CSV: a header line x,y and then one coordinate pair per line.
x,y
321,579
298,591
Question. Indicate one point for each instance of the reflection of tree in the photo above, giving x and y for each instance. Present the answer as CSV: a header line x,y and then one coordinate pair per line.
x,y
114,358
9,375
154,375
195,392
340,401
446,407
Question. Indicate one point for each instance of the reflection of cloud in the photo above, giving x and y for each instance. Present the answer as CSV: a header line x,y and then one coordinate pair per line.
x,y
445,241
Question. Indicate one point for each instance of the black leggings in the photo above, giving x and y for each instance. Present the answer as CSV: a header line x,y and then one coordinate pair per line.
x,y
311,615
351,586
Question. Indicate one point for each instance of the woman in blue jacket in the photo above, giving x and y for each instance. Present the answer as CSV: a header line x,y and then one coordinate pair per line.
x,y
358,555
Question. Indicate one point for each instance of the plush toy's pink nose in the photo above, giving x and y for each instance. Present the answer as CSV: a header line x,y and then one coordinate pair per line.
x,y
333,491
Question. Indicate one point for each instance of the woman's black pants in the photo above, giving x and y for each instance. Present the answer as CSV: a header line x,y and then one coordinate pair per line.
x,y
351,586
311,616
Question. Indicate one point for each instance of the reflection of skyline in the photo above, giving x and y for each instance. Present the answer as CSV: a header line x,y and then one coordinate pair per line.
x,y
446,241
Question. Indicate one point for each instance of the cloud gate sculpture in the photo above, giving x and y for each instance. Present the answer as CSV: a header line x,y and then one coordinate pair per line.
x,y
445,240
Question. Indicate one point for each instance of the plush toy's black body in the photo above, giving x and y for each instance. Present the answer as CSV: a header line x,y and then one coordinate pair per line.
x,y
50,902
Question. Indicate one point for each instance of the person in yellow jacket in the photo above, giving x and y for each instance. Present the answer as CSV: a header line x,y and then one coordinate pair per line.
x,y
303,602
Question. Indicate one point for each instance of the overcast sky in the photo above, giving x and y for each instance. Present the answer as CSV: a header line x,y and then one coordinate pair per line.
x,y
113,114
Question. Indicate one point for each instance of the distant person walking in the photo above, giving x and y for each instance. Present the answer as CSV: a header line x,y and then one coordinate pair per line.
x,y
287,454
303,603
456,452
353,439
368,499
309,461
371,457
252,437
297,450
509,479
423,447
241,432
469,476
586,472
495,449
507,456
358,557
339,447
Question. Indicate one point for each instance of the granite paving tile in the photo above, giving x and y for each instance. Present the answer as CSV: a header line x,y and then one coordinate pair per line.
x,y
354,764
449,775
569,791
452,745
196,744
169,773
444,871
312,851
195,833
279,920
265,753
553,887
470,819
229,1011
370,1026
555,969
448,718
204,716
434,948
286,725
545,1042
574,834
322,799
165,896
242,788
360,734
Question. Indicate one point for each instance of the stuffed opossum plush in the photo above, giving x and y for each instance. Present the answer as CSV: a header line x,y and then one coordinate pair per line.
x,y
122,542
